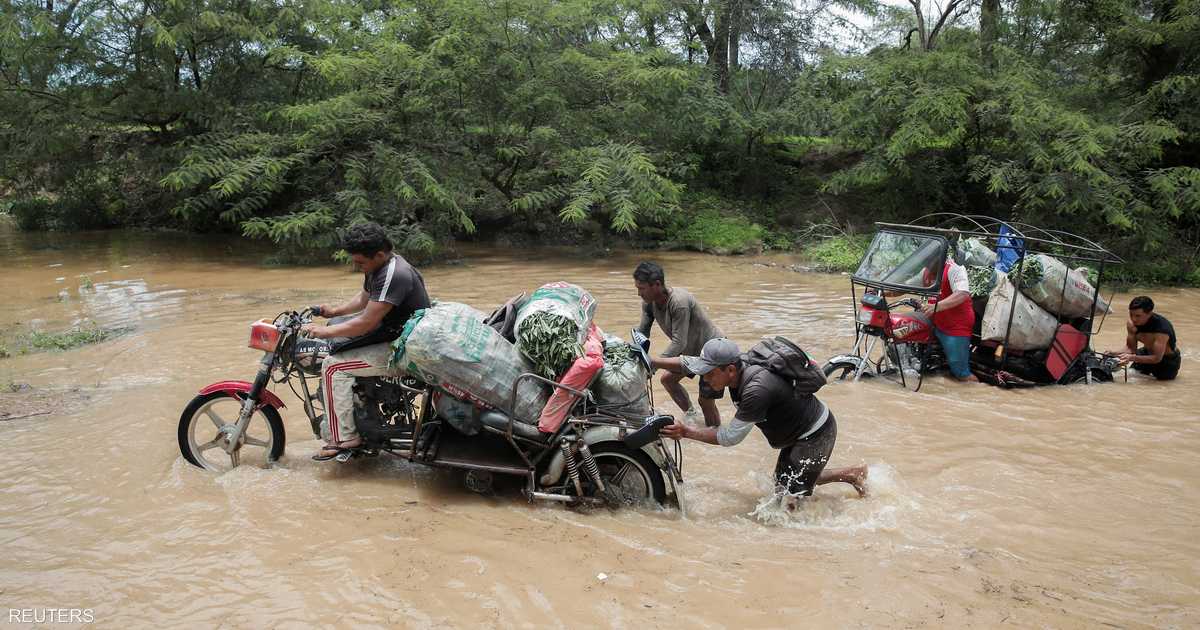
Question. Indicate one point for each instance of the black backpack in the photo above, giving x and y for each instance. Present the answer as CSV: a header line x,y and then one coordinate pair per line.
x,y
788,361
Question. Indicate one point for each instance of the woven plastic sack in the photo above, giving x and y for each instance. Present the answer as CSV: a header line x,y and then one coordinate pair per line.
x,y
621,386
578,376
973,253
560,298
1032,327
450,347
1063,291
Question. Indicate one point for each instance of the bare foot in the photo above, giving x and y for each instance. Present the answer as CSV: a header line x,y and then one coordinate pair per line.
x,y
858,479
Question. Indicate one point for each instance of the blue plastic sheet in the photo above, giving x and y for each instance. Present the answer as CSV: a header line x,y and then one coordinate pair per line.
x,y
1009,249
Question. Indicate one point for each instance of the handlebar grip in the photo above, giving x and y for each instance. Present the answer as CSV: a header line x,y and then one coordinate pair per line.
x,y
316,310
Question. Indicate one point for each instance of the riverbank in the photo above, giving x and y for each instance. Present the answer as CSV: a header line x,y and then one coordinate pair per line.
x,y
822,248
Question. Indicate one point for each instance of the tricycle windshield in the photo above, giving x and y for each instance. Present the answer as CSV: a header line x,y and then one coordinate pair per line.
x,y
903,261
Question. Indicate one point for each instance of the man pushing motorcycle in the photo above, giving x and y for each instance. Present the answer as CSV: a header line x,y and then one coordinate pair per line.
x,y
392,291
793,420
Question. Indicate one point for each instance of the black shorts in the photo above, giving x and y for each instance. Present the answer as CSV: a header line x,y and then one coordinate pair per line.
x,y
800,464
1165,370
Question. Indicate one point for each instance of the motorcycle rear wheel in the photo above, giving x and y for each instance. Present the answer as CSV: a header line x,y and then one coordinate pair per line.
x,y
204,426
630,477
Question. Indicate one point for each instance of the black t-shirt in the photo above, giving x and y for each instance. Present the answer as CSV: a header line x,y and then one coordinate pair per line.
x,y
769,401
1159,324
400,285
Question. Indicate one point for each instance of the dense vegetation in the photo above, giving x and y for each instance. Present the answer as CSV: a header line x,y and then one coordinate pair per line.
x,y
720,124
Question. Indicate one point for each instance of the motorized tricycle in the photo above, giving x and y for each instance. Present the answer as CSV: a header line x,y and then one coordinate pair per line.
x,y
598,456
910,259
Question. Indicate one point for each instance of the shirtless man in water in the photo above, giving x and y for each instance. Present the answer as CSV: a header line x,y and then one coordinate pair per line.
x,y
801,427
1158,355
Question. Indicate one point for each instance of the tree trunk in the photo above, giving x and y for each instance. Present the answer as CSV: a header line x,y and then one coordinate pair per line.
x,y
191,53
735,34
651,34
718,58
989,27
921,32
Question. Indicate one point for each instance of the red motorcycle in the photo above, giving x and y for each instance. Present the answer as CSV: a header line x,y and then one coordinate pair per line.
x,y
910,347
598,456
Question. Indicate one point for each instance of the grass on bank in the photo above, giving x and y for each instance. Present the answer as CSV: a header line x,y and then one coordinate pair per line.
x,y
39,341
837,253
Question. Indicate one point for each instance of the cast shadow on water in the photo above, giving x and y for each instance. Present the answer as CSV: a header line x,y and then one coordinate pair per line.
x,y
837,506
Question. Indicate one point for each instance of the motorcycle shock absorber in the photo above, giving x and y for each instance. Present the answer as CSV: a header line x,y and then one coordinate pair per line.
x,y
572,465
589,464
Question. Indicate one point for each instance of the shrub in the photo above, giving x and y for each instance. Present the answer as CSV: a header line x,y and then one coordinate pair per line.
x,y
720,234
838,253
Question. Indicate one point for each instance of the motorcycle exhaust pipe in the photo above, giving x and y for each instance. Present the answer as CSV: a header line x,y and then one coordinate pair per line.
x,y
564,498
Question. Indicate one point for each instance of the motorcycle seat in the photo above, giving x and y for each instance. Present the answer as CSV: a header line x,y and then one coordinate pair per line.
x,y
499,421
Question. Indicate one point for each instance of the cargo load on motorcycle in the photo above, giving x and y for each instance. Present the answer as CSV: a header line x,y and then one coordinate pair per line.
x,y
1034,292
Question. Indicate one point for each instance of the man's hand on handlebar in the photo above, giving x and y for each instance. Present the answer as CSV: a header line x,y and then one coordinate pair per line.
x,y
313,330
674,431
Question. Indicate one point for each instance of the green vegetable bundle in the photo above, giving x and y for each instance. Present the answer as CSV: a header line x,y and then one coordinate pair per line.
x,y
982,280
617,354
1031,272
550,342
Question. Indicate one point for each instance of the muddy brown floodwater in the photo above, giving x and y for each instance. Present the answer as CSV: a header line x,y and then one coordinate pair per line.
x,y
1053,507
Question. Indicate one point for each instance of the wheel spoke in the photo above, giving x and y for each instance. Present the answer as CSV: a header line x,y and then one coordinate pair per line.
x,y
253,441
235,458
216,420
207,445
619,476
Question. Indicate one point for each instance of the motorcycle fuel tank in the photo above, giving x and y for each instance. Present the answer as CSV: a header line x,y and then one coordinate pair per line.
x,y
915,327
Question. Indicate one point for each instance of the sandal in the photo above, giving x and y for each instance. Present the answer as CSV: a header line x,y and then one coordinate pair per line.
x,y
330,451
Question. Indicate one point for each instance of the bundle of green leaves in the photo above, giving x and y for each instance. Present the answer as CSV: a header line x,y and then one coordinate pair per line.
x,y
1029,272
982,280
550,342
617,354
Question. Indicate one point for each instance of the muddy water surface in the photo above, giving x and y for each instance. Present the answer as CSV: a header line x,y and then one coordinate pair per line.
x,y
1055,507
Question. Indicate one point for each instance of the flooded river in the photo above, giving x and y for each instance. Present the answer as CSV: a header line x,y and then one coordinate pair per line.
x,y
1054,507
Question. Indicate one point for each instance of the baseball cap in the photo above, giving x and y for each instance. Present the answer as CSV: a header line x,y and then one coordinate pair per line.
x,y
715,353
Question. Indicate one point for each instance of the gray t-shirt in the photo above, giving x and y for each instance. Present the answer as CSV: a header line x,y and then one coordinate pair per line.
x,y
683,320
766,400
400,285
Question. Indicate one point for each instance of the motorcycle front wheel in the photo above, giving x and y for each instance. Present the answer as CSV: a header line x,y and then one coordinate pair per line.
x,y
630,477
205,426
844,370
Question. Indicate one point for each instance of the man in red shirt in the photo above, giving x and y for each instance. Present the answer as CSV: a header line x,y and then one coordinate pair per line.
x,y
953,318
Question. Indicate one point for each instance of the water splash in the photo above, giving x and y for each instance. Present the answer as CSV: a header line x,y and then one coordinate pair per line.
x,y
836,507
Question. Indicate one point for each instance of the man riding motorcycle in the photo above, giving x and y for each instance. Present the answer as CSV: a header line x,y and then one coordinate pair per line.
x,y
392,291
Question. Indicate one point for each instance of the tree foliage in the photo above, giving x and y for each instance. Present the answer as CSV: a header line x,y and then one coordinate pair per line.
x,y
291,120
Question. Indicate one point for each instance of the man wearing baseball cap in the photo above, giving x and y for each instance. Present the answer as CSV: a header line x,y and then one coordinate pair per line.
x,y
799,425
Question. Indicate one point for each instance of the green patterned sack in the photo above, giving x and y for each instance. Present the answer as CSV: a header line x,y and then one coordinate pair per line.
x,y
450,347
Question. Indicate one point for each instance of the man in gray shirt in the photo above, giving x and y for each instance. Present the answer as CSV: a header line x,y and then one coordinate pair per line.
x,y
684,321
800,426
